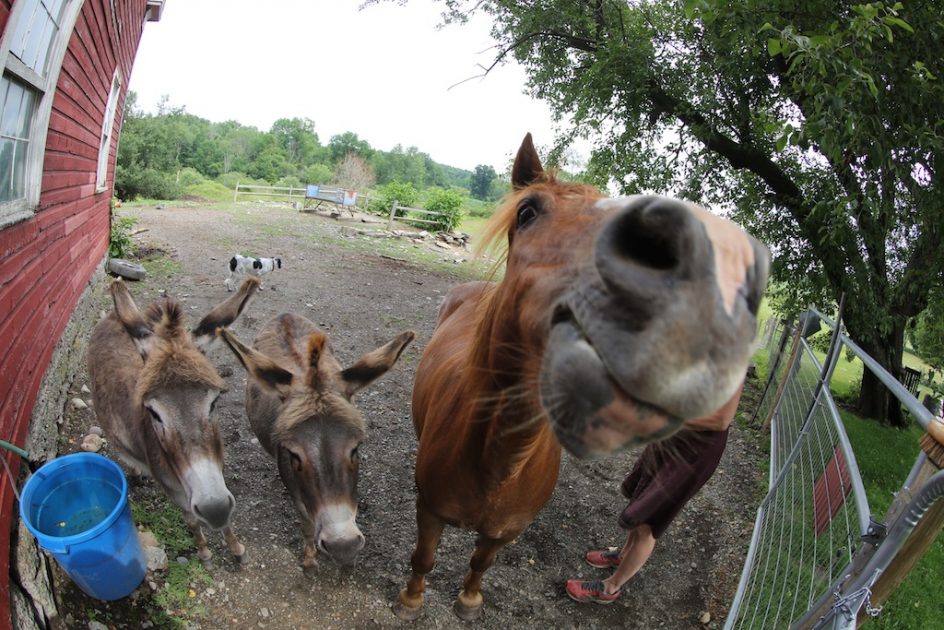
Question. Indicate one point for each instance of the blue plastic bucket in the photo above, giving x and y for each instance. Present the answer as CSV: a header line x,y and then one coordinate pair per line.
x,y
77,507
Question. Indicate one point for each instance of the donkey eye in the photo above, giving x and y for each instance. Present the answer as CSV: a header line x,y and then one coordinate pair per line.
x,y
296,461
526,214
355,456
154,416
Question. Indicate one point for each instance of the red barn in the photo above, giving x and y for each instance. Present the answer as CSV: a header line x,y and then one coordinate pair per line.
x,y
66,66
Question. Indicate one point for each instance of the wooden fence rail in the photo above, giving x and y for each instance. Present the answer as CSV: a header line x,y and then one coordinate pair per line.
x,y
396,206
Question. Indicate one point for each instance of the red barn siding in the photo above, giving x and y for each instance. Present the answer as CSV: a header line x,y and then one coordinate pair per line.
x,y
47,260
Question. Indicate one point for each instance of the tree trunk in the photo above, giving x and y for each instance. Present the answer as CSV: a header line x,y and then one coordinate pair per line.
x,y
875,401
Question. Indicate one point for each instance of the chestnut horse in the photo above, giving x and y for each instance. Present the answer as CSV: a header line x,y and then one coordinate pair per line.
x,y
616,320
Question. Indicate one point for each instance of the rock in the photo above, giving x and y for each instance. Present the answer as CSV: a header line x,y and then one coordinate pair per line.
x,y
156,558
225,371
86,390
264,612
147,539
126,269
705,618
441,244
181,560
152,585
97,625
423,234
96,430
92,443
78,403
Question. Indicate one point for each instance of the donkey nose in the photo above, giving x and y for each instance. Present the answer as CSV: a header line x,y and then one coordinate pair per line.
x,y
648,243
215,512
344,550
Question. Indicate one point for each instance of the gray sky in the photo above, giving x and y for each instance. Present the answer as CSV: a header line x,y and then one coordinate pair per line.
x,y
383,72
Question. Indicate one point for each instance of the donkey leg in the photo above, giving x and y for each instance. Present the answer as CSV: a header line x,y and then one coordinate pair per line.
x,y
235,547
468,606
203,552
428,530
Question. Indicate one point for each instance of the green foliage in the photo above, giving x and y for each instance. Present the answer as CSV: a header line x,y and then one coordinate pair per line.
x,y
209,191
320,174
120,244
927,334
449,204
480,185
383,197
188,177
180,589
147,182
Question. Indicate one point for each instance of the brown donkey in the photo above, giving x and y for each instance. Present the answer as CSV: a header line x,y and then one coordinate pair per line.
x,y
299,405
154,390
616,320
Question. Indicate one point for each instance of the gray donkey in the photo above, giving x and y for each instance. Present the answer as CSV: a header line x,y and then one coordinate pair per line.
x,y
154,390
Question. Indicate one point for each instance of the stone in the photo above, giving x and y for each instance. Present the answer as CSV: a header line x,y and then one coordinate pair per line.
x,y
705,618
96,430
78,403
147,539
97,625
181,560
86,390
156,558
226,371
92,443
441,245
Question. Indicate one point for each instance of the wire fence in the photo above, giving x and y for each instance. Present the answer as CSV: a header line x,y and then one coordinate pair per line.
x,y
815,552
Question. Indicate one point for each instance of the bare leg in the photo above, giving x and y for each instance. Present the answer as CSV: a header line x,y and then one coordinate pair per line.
x,y
638,548
235,547
469,604
203,552
428,530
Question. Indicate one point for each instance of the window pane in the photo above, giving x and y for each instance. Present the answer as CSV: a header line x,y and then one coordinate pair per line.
x,y
6,170
55,9
30,100
12,108
24,26
20,149
34,54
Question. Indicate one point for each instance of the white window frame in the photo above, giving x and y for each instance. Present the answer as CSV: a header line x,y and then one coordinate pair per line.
x,y
108,125
45,88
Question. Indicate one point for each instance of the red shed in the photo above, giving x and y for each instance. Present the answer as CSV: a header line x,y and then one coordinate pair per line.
x,y
66,66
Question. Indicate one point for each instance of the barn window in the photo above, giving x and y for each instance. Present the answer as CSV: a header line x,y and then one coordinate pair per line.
x,y
107,125
31,51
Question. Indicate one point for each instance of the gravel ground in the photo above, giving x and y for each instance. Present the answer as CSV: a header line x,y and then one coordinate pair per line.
x,y
363,299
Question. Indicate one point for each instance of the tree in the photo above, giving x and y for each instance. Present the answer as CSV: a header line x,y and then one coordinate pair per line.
x,y
354,173
298,139
927,335
818,127
480,185
342,145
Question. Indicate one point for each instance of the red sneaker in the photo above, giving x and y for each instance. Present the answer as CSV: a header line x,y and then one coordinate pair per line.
x,y
603,559
586,592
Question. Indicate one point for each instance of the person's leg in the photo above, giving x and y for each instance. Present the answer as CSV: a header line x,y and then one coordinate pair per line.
x,y
639,546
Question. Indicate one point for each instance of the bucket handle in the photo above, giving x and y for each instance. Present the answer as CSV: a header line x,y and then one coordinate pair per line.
x,y
58,549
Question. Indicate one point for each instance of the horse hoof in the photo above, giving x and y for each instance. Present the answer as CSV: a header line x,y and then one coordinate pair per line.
x,y
466,613
405,613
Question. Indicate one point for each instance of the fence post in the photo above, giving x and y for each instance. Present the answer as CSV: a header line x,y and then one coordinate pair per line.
x,y
236,192
393,213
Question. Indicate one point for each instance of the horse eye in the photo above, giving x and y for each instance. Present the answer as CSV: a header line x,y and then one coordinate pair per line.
x,y
526,214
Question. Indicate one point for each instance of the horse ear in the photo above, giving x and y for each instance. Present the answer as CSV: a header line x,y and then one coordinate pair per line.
x,y
131,318
375,364
263,370
527,169
224,314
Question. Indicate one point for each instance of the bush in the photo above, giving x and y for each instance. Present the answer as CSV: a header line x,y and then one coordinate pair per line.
x,y
449,204
382,199
120,244
290,181
232,178
189,177
149,183
320,174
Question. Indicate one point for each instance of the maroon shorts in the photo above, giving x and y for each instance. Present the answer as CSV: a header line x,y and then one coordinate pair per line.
x,y
667,475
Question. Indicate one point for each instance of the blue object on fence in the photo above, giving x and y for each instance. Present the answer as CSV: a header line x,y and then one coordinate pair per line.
x,y
77,507
311,191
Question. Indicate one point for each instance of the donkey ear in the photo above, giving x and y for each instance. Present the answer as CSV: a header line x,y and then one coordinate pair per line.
x,y
131,318
317,342
224,314
263,370
527,169
375,364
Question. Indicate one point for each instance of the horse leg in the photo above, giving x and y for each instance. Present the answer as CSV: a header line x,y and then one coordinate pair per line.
x,y
468,606
203,552
235,547
428,530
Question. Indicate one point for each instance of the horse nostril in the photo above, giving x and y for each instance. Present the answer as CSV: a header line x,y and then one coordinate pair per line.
x,y
651,232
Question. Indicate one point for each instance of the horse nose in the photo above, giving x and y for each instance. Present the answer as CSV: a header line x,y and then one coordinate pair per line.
x,y
215,512
648,244
344,550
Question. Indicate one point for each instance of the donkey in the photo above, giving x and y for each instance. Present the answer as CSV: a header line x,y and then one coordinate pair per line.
x,y
154,391
299,404
616,320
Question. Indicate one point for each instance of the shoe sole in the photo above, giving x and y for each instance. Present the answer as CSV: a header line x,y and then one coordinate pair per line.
x,y
591,600
608,565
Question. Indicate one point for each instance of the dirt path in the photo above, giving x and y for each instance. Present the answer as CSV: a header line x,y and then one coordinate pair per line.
x,y
363,300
